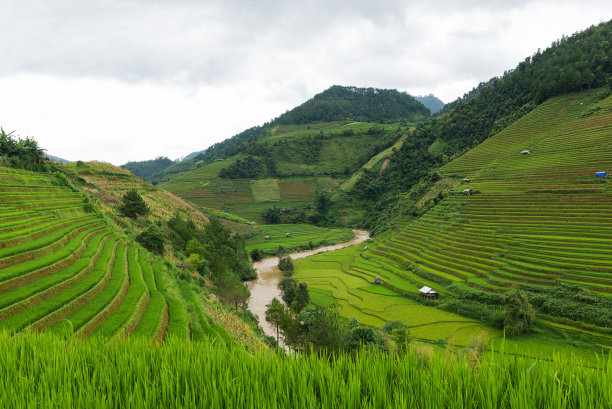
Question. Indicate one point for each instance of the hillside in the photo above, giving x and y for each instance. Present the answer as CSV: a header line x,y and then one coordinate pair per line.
x,y
65,268
108,184
337,104
285,168
145,169
540,221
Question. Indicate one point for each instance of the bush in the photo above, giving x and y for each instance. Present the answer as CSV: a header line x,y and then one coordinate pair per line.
x,y
153,239
285,264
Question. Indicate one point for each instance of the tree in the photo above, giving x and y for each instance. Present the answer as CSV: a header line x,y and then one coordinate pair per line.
x,y
519,314
231,290
322,201
301,299
271,216
133,206
153,239
288,289
285,264
276,314
257,254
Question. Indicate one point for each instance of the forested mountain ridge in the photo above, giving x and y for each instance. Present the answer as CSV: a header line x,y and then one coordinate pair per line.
x,y
144,169
336,104
573,63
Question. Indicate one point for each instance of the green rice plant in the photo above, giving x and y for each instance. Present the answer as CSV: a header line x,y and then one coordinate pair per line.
x,y
56,308
153,316
31,243
129,306
69,251
56,373
60,278
103,299
177,326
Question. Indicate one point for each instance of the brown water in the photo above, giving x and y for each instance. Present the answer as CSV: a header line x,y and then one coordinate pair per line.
x,y
265,287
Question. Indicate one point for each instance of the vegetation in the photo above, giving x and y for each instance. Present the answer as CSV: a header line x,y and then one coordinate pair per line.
x,y
285,264
21,153
145,169
133,206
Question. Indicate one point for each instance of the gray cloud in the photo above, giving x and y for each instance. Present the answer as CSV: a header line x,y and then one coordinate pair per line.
x,y
197,63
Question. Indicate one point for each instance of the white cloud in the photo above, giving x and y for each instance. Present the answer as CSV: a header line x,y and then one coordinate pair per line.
x,y
131,80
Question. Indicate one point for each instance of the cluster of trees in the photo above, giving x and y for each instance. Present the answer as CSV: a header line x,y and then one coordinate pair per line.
x,y
249,168
145,169
570,64
318,329
21,153
359,104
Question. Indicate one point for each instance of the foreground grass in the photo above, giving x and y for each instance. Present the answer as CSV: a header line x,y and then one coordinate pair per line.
x,y
47,371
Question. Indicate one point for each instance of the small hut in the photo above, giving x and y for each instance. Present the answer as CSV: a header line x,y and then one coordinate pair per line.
x,y
467,192
287,234
366,248
428,292
526,152
465,180
377,281
267,237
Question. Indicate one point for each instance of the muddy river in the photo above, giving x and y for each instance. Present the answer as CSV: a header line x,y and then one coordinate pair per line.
x,y
265,287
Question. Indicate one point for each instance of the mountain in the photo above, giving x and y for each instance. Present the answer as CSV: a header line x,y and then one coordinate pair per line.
x,y
431,102
144,169
56,159
336,104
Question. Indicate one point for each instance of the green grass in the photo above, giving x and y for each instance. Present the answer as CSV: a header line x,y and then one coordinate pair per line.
x,y
301,236
265,190
132,374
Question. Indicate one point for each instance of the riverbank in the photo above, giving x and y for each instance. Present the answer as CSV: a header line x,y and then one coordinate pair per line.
x,y
265,287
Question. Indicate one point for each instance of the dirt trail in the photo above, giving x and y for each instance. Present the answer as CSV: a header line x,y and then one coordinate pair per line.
x,y
265,287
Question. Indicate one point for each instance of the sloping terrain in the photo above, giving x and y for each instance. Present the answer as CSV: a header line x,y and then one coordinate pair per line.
x,y
537,219
64,268
285,167
109,183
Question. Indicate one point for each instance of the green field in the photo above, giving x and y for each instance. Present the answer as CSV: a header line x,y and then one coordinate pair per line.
x,y
534,220
302,235
335,279
64,269
131,374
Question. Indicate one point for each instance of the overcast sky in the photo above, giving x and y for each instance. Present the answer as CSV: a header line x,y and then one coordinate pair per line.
x,y
115,80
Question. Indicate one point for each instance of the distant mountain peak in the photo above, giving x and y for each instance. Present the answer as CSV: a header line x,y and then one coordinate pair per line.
x,y
432,102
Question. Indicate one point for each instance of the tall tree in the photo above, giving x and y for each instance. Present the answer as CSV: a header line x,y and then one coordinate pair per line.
x,y
232,290
519,313
276,314
133,206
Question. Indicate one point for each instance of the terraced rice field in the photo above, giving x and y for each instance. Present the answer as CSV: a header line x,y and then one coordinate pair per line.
x,y
301,235
342,278
62,269
538,219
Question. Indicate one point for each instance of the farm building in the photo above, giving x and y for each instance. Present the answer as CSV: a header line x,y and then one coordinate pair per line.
x,y
466,180
267,237
428,292
526,152
467,192
287,234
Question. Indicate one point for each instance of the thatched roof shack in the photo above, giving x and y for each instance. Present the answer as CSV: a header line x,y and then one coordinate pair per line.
x,y
428,292
467,192
526,152
466,180
287,234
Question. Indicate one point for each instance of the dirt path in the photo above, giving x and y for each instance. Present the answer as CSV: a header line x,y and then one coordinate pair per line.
x,y
265,287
